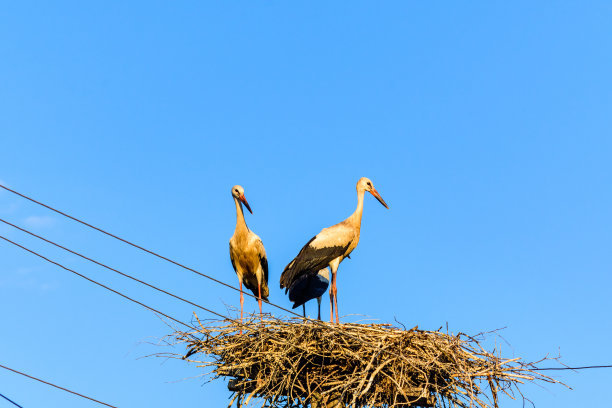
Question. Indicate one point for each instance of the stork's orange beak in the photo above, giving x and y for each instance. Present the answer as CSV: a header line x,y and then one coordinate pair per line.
x,y
244,201
378,197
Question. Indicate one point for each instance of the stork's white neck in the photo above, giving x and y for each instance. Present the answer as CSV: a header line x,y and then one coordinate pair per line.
x,y
356,217
240,222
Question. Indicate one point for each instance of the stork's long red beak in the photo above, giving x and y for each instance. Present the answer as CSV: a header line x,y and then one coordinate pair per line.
x,y
244,201
378,197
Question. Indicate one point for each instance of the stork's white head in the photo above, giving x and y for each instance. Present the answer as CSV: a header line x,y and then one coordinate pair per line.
x,y
238,194
365,184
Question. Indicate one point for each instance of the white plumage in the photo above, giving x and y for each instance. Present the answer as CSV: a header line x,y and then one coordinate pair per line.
x,y
329,247
247,254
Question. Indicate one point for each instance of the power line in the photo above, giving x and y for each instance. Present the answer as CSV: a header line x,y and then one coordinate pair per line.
x,y
56,386
115,270
96,282
11,401
146,250
124,240
123,274
571,368
120,294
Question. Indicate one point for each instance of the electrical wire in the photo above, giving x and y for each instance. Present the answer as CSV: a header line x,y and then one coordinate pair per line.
x,y
123,240
147,250
239,323
127,276
56,386
115,270
571,368
123,274
11,401
96,282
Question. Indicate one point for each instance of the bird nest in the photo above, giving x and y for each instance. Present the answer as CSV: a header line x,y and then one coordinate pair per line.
x,y
303,363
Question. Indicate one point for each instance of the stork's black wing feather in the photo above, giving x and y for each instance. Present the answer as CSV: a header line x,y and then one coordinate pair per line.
x,y
309,261
263,261
232,259
307,287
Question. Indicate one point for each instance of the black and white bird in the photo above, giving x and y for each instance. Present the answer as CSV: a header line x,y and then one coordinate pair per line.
x,y
308,287
329,247
247,254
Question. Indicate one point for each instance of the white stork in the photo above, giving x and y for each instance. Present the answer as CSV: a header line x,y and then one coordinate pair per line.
x,y
248,254
308,287
329,247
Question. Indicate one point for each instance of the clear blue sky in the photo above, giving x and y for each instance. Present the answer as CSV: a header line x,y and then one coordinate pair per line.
x,y
485,126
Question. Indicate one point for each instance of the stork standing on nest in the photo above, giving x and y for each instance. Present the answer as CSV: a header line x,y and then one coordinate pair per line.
x,y
248,254
329,247
308,287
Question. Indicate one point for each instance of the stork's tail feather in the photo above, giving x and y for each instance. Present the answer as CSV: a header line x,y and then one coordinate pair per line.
x,y
285,279
252,286
265,292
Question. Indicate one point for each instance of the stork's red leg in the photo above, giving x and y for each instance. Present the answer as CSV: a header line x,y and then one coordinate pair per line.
x,y
334,290
333,298
331,304
259,297
336,302
241,305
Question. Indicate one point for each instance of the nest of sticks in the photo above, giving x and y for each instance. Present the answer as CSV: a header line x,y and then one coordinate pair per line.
x,y
298,362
